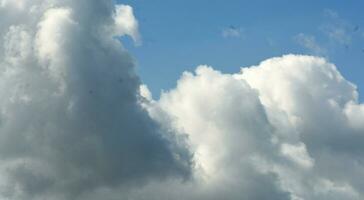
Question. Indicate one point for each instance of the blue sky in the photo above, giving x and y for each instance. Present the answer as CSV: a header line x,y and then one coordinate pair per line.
x,y
180,35
76,123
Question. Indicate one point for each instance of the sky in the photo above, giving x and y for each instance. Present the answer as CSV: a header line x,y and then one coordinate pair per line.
x,y
178,100
192,32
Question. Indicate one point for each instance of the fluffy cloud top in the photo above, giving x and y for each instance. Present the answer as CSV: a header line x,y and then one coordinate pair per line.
x,y
126,23
288,128
75,122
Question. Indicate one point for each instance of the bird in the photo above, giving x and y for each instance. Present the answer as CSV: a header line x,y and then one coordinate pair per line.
x,y
356,28
232,27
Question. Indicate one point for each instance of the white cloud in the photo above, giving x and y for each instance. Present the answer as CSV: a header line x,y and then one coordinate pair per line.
x,y
54,31
126,23
309,42
298,154
292,121
337,29
232,32
19,4
75,122
355,115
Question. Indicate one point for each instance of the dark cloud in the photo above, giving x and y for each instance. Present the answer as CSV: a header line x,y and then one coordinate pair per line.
x,y
57,137
75,122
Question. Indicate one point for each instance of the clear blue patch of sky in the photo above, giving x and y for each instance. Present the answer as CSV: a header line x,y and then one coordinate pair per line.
x,y
180,35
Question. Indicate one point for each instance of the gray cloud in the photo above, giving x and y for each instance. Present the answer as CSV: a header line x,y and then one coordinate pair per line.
x,y
75,123
70,117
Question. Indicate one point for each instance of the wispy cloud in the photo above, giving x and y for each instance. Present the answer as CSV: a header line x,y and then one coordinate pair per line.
x,y
334,32
309,42
233,32
337,29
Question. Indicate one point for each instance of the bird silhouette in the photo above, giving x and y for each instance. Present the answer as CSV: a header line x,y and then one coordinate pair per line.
x,y
356,28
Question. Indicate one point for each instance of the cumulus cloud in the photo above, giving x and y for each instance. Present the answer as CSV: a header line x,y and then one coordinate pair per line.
x,y
76,123
71,121
288,128
126,23
314,99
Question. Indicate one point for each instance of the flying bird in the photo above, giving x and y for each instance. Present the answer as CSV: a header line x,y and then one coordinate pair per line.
x,y
232,27
356,28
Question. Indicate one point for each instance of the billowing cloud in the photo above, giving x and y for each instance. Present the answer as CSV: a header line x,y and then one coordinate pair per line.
x,y
288,128
70,120
126,23
76,123
308,100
